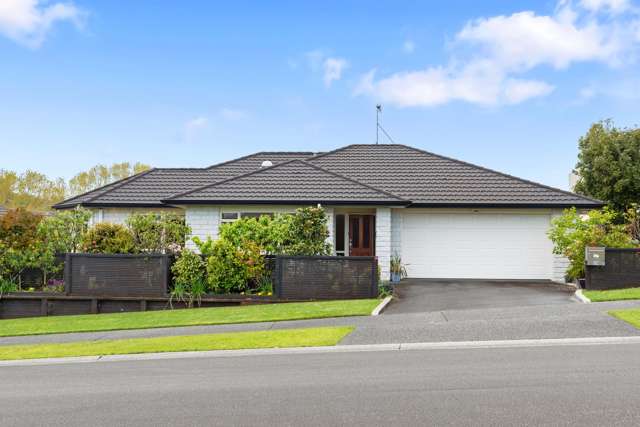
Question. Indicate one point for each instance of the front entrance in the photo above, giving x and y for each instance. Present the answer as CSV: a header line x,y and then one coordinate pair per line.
x,y
361,235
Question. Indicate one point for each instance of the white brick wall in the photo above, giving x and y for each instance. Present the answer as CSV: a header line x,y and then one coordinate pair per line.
x,y
396,231
204,222
331,227
560,263
383,241
120,215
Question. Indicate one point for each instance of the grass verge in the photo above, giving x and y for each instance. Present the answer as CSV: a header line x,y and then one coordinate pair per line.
x,y
309,337
631,316
187,317
612,294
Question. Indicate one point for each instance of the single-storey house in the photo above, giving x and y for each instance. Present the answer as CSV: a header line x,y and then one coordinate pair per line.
x,y
444,217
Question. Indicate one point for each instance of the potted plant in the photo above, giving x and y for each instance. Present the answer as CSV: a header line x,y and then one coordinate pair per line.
x,y
398,269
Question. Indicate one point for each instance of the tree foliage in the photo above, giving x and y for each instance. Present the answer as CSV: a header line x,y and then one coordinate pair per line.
x,y
609,165
36,192
571,233
101,175
107,238
158,232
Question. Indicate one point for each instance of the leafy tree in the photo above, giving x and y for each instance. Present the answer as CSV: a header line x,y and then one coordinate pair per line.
x,y
571,233
308,232
609,165
107,238
158,232
101,175
30,190
64,231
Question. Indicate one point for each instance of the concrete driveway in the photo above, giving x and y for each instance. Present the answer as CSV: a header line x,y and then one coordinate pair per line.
x,y
428,295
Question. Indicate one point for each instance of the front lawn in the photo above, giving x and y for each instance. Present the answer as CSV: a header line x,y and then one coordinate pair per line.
x,y
309,337
190,317
631,316
613,294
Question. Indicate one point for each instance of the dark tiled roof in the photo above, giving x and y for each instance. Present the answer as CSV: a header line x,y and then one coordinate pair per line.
x,y
150,187
431,179
397,171
294,181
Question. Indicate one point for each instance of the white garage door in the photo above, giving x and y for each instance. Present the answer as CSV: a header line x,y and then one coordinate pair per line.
x,y
476,245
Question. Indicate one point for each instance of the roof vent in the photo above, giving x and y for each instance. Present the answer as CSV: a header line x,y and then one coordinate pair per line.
x,y
266,164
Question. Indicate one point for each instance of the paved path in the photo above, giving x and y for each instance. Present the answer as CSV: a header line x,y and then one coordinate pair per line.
x,y
531,322
590,385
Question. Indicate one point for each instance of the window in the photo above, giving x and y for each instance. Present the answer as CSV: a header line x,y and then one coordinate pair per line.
x,y
233,216
229,216
255,214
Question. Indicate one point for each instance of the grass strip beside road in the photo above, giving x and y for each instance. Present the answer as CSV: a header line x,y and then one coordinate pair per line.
x,y
612,294
308,337
186,317
631,316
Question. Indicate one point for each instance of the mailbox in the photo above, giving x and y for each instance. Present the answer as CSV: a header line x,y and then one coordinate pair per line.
x,y
594,256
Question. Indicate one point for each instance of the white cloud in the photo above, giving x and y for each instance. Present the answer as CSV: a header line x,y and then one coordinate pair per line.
x,y
232,114
333,68
28,21
492,55
613,6
408,46
193,126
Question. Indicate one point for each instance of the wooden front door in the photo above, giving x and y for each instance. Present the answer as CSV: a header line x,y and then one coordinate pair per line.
x,y
361,235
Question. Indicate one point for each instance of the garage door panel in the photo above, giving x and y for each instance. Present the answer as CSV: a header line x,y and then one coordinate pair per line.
x,y
509,246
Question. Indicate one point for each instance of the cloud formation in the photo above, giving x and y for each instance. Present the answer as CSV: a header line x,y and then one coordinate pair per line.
x,y
333,68
492,56
29,21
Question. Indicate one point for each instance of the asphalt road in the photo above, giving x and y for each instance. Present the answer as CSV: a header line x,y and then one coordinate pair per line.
x,y
590,385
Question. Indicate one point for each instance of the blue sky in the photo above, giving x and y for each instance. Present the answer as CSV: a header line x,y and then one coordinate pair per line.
x,y
504,84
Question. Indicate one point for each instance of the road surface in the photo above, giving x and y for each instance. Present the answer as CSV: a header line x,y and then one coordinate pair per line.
x,y
586,385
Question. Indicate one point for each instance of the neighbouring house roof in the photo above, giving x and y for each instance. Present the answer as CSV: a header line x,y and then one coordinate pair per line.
x,y
295,181
361,173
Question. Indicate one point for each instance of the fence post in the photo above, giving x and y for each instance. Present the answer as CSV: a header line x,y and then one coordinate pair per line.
x,y
67,273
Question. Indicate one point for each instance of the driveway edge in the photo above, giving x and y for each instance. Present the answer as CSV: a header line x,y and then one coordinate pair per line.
x,y
380,307
578,294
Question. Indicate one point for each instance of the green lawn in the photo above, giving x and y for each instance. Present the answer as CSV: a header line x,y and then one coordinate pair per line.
x,y
613,294
228,341
631,316
191,317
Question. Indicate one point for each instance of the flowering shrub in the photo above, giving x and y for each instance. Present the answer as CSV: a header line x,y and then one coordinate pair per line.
x,y
230,268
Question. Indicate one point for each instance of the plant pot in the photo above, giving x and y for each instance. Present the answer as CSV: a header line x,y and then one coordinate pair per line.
x,y
395,277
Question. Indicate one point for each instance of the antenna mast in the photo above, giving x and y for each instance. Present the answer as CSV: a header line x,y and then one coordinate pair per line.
x,y
378,111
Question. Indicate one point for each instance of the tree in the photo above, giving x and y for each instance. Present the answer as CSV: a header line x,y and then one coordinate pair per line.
x,y
30,190
101,175
609,165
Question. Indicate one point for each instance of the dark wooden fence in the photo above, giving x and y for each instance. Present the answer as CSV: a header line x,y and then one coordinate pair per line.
x,y
122,283
118,275
326,277
621,270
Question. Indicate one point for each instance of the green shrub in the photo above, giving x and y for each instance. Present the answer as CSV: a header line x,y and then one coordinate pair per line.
x,y
230,269
158,232
189,277
107,238
18,228
308,233
571,233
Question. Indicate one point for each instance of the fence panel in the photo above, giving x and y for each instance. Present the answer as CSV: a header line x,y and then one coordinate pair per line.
x,y
117,275
320,277
621,270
